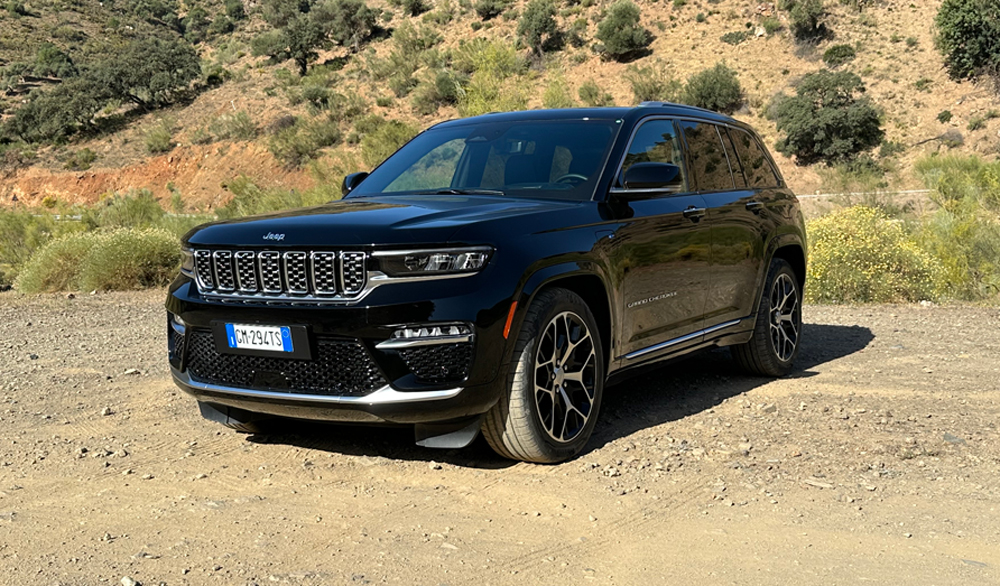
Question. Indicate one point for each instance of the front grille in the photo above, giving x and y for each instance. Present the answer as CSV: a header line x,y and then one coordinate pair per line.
x,y
439,363
338,368
269,274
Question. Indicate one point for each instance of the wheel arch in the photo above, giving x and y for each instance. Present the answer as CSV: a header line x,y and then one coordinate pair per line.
x,y
795,255
585,282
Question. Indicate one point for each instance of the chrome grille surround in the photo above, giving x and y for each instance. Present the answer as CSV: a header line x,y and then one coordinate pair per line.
x,y
272,277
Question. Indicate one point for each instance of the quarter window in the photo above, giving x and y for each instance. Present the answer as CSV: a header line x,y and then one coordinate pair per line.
x,y
756,167
734,159
707,156
656,141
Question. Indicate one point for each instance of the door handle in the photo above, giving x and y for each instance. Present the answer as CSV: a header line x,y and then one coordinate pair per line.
x,y
694,214
755,206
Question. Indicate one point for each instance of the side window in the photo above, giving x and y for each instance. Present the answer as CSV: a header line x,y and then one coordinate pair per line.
x,y
756,167
734,159
656,141
707,156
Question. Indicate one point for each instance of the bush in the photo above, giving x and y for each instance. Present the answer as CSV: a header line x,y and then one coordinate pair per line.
x,y
592,95
557,95
438,88
827,119
56,267
376,146
411,7
621,32
735,37
860,255
964,234
538,22
248,199
134,209
299,143
159,138
494,67
806,19
944,116
236,126
652,83
969,37
21,234
350,22
714,89
487,9
837,55
130,259
81,160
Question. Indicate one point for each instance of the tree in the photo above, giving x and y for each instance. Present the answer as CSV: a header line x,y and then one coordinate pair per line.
x,y
60,112
806,16
537,21
827,120
621,32
149,71
716,89
350,22
969,37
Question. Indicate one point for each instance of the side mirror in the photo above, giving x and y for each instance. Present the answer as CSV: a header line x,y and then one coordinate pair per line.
x,y
653,176
351,181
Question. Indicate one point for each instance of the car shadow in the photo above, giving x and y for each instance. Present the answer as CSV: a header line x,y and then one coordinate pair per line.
x,y
674,391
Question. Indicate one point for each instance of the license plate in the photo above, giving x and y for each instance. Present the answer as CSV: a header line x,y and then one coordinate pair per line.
x,y
268,338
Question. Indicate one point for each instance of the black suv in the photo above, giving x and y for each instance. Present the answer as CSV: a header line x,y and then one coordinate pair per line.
x,y
495,274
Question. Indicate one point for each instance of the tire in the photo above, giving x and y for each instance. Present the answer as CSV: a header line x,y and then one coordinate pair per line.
x,y
777,334
533,424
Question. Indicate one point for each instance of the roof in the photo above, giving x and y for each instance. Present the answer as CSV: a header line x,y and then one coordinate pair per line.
x,y
663,108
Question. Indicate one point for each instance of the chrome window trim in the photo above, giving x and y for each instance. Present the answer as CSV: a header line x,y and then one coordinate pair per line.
x,y
383,396
729,163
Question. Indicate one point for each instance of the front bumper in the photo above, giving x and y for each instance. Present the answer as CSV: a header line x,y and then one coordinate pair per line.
x,y
397,390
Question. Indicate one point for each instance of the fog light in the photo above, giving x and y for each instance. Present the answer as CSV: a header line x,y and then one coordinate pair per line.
x,y
413,336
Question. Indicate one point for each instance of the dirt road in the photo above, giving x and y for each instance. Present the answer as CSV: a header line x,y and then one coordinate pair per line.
x,y
878,460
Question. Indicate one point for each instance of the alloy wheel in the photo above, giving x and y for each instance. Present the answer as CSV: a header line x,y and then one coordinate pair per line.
x,y
785,317
565,372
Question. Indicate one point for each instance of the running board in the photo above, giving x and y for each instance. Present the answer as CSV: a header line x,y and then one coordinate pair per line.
x,y
681,340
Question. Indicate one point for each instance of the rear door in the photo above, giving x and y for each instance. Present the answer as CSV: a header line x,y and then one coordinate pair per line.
x,y
661,251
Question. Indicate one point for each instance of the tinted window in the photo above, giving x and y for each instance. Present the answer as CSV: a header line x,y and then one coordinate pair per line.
x,y
707,156
756,167
734,159
656,141
527,158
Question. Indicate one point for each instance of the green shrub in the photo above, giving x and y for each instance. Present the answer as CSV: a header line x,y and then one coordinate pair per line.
x,y
350,22
860,255
487,9
537,23
716,89
136,208
969,37
56,267
944,116
81,160
236,126
159,138
806,17
923,84
592,95
964,233
621,32
376,146
21,234
437,89
976,123
130,259
735,37
299,143
837,55
248,199
411,7
492,87
557,94
828,119
652,83
771,25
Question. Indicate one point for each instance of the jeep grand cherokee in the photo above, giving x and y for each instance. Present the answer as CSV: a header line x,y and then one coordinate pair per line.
x,y
495,274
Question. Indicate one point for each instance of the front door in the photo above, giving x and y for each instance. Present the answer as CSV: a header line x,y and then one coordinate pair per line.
x,y
661,252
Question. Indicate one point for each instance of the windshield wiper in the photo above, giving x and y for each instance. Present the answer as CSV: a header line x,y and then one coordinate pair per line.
x,y
456,191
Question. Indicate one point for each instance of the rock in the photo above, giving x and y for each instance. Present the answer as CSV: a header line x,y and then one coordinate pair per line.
x,y
953,439
435,466
816,483
127,581
770,408
106,411
132,371
447,545
32,356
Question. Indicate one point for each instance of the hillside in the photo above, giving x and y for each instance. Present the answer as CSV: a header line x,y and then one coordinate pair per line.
x,y
893,40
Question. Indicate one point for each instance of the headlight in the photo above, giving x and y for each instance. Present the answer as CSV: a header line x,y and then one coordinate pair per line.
x,y
417,263
187,262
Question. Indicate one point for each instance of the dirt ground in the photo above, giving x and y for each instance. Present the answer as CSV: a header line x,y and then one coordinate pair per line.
x,y
877,460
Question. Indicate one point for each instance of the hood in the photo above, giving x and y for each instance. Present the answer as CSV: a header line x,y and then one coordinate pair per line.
x,y
391,220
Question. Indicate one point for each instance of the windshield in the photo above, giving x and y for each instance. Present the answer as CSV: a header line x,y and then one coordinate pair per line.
x,y
538,159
